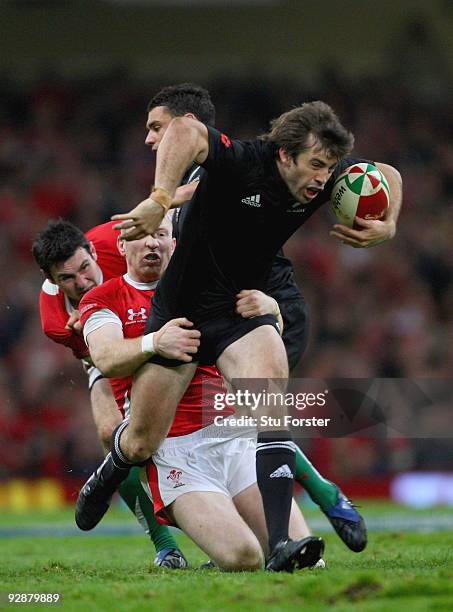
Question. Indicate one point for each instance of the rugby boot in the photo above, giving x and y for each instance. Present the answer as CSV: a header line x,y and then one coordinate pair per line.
x,y
96,494
208,565
171,558
291,554
347,522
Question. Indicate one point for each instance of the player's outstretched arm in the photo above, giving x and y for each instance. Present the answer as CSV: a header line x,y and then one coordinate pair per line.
x,y
373,232
254,303
117,356
185,141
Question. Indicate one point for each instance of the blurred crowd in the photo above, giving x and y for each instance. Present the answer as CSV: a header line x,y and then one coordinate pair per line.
x,y
76,149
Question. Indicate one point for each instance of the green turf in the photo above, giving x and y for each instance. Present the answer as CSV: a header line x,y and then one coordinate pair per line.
x,y
119,512
397,571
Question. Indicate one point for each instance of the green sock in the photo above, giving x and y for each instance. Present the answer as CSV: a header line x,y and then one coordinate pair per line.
x,y
321,491
139,503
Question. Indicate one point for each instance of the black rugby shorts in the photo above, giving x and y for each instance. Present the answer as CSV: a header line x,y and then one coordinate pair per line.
x,y
217,334
296,328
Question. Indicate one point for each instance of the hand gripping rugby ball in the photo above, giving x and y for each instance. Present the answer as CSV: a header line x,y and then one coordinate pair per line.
x,y
362,190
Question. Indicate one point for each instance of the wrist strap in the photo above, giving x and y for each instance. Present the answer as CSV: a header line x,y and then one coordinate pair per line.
x,y
148,344
161,197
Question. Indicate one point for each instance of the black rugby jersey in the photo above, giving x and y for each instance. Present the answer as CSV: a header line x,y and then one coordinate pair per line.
x,y
239,218
280,283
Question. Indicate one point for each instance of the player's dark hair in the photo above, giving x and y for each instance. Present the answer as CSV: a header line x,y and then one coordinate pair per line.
x,y
291,130
186,98
56,243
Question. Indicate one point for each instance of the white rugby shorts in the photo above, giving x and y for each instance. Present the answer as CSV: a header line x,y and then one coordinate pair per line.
x,y
197,462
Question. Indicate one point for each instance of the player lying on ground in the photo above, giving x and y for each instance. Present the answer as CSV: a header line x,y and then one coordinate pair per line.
x,y
193,101
287,172
74,263
203,478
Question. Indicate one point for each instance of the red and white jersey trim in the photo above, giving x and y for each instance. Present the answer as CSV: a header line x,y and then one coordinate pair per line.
x,y
98,319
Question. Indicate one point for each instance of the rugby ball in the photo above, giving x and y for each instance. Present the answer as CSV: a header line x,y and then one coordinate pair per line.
x,y
361,190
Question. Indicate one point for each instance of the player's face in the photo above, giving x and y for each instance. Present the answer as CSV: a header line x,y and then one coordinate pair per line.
x,y
157,122
147,258
308,174
76,275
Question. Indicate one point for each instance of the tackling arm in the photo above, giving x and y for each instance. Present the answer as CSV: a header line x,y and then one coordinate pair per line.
x,y
117,356
253,303
113,354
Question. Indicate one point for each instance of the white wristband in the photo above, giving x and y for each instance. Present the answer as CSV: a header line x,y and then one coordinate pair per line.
x,y
148,344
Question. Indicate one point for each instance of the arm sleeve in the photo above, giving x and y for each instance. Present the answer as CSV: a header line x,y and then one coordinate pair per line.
x,y
226,156
54,317
97,319
99,306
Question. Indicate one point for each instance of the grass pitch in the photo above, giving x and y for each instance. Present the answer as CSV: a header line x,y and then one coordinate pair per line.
x,y
398,570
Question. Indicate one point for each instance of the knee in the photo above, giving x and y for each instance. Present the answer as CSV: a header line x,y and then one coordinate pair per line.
x,y
140,447
246,557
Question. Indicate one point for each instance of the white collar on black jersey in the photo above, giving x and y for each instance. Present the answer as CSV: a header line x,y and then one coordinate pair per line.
x,y
137,285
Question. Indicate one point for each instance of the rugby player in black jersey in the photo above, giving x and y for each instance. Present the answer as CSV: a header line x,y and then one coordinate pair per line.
x,y
188,99
253,197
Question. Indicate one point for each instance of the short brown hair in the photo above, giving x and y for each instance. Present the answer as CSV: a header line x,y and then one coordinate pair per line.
x,y
291,130
57,243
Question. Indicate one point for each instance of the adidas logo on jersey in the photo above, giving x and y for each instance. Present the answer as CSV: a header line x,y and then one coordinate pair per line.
x,y
283,471
253,200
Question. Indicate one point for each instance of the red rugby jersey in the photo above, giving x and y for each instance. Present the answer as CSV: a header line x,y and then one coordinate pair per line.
x,y
55,309
129,303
